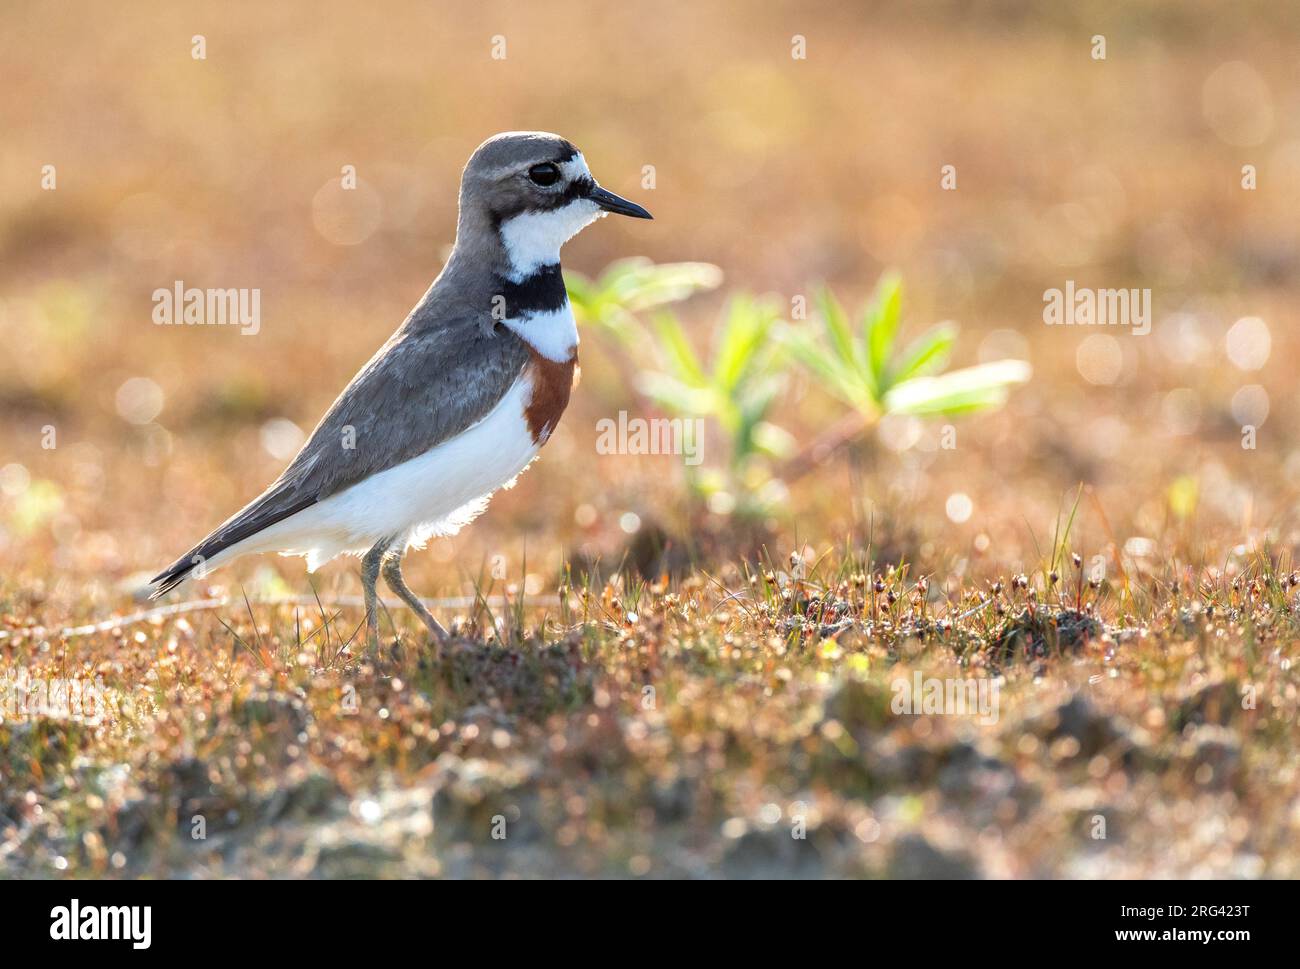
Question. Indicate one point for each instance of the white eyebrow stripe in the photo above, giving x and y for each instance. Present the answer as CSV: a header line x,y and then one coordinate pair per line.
x,y
575,167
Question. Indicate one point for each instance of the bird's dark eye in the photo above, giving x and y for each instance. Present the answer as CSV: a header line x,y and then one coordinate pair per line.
x,y
544,174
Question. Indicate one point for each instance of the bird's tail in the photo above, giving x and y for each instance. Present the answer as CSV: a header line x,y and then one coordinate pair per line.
x,y
191,563
273,506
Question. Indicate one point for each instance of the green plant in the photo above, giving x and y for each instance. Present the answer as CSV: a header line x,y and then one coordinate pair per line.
x,y
867,370
630,286
746,372
736,387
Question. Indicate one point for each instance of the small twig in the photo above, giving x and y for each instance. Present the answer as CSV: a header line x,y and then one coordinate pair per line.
x,y
198,605
162,612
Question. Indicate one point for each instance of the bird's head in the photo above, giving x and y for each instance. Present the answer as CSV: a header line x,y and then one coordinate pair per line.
x,y
534,190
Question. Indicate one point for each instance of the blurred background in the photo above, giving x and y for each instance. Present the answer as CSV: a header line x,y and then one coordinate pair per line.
x,y
123,442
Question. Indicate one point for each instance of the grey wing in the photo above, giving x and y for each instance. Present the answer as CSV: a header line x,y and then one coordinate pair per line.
x,y
422,388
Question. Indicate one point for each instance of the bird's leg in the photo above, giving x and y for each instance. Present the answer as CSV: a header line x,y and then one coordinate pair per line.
x,y
370,565
392,567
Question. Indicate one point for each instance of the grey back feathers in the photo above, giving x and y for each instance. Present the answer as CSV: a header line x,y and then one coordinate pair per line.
x,y
441,372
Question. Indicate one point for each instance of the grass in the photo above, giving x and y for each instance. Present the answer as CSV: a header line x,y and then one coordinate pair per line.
x,y
733,724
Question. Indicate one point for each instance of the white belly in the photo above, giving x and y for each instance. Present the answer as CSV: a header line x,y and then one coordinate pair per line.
x,y
434,494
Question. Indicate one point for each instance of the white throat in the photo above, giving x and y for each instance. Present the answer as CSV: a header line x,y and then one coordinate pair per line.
x,y
533,239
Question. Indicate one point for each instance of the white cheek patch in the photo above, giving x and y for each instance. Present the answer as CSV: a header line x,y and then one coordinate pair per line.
x,y
533,239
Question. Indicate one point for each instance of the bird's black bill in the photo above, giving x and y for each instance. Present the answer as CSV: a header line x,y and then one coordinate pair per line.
x,y
612,203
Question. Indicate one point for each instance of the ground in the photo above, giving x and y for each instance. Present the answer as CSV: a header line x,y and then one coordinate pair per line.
x,y
730,725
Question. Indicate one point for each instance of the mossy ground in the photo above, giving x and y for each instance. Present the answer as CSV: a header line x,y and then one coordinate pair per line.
x,y
711,727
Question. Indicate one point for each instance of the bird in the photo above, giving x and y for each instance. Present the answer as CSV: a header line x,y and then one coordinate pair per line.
x,y
457,402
